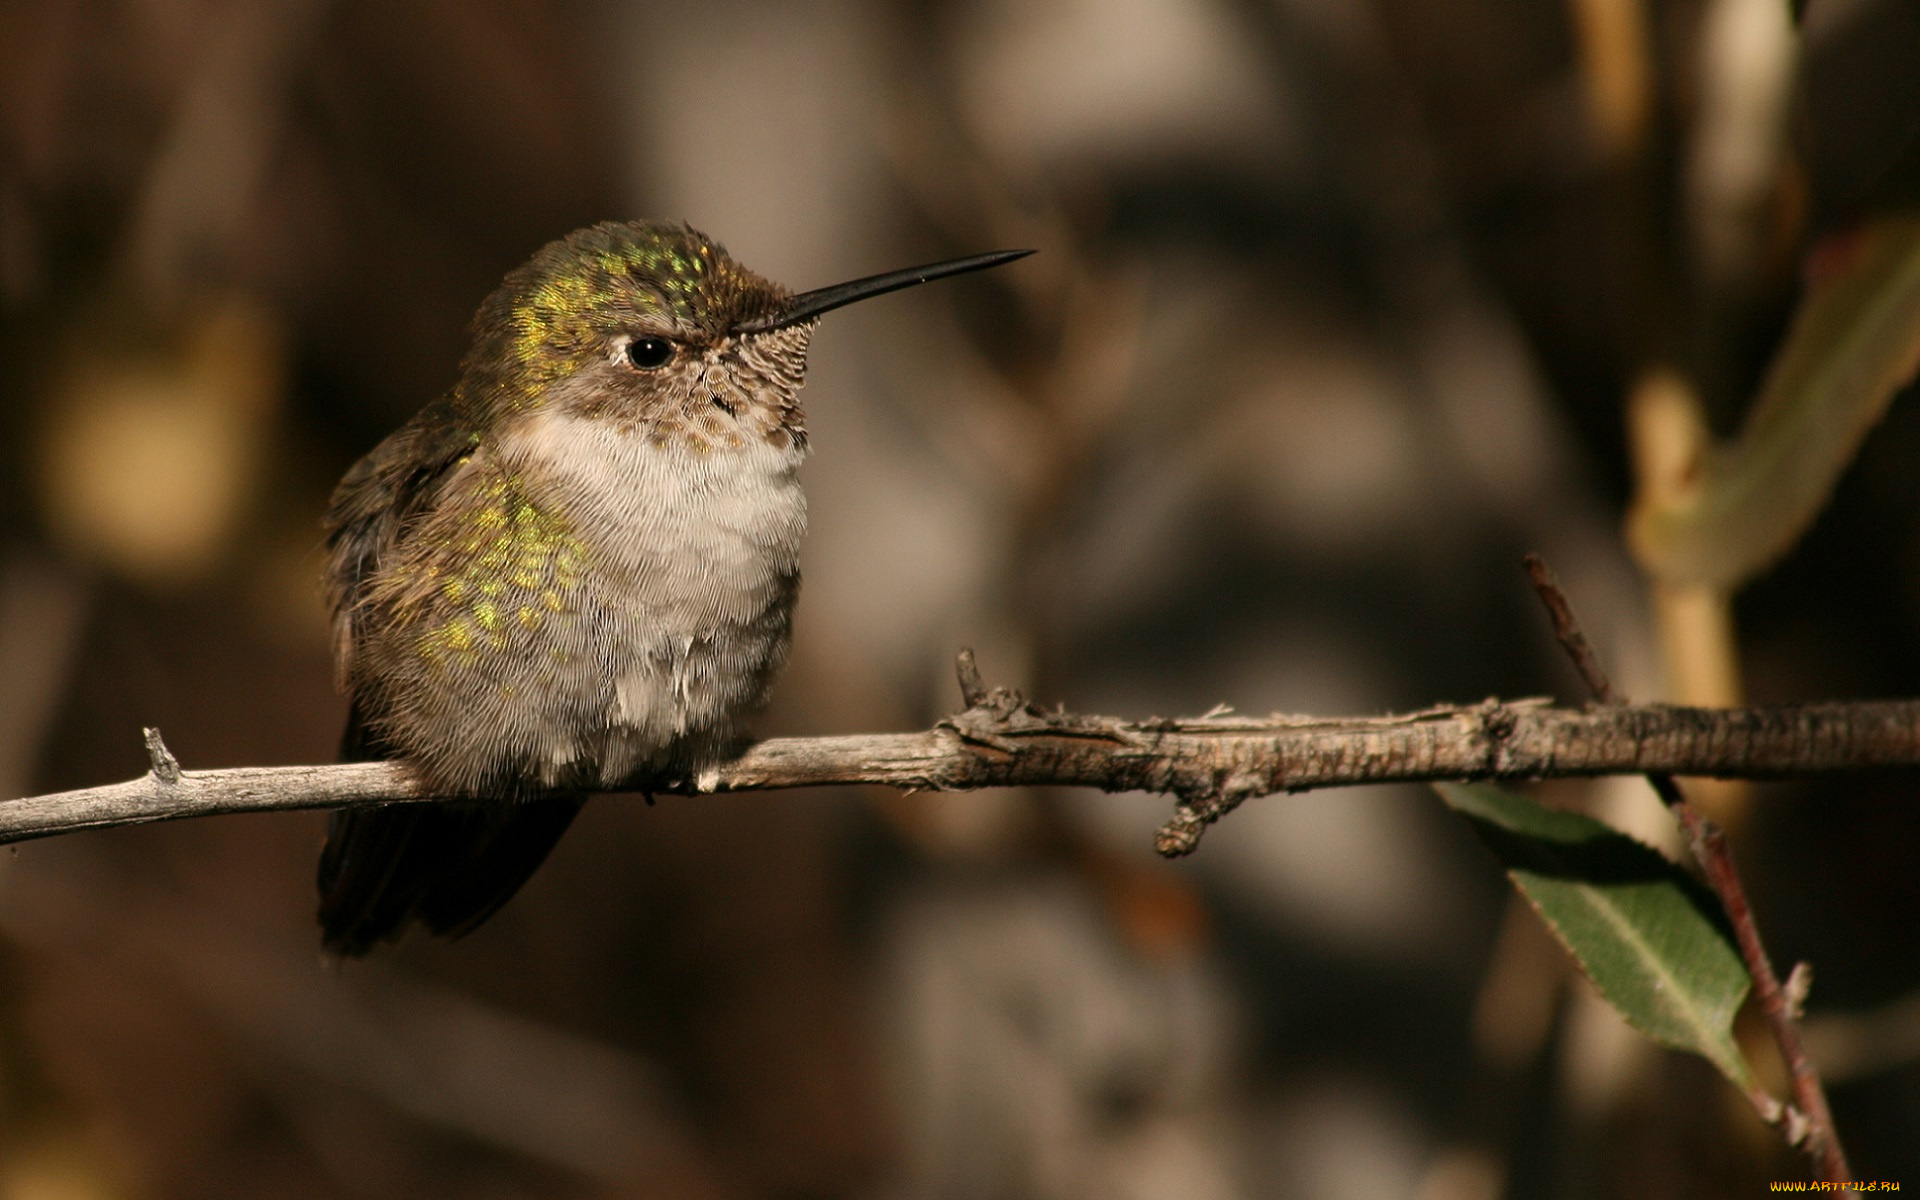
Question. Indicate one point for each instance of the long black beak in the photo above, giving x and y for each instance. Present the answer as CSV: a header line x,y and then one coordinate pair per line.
x,y
808,305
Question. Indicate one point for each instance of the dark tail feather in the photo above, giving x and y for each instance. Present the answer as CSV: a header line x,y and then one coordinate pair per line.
x,y
449,865
502,857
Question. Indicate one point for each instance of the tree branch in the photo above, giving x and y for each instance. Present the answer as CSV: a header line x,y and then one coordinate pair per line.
x,y
1209,763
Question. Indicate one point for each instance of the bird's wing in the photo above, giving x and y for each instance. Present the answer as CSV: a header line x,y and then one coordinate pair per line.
x,y
376,499
450,865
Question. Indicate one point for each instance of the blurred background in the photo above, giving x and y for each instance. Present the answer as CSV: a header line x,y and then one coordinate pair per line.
x,y
1339,308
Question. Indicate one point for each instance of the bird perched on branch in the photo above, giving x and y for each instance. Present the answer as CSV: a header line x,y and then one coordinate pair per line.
x,y
576,570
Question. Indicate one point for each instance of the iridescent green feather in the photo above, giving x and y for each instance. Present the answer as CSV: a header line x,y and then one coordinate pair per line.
x,y
562,305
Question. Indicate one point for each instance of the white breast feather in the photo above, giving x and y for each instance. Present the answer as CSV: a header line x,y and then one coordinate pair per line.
x,y
695,548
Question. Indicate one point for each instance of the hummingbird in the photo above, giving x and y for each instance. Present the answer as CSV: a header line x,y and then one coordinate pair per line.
x,y
576,570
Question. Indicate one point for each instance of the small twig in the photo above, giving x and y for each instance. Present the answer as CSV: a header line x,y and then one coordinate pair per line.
x,y
1566,627
1179,836
973,689
1809,1122
166,768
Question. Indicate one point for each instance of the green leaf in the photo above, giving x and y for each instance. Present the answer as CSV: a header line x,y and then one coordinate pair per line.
x,y
1854,343
1652,939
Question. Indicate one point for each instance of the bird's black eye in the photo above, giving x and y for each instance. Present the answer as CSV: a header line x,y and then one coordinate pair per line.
x,y
649,352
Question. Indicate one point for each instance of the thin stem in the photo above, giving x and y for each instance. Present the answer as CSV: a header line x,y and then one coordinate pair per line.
x,y
1810,1125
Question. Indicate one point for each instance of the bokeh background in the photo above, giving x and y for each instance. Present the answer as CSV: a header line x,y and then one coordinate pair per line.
x,y
1336,312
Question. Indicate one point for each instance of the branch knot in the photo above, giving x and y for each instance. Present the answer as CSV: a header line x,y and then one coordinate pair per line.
x,y
1497,725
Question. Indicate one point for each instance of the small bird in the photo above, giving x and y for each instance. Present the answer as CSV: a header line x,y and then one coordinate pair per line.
x,y
574,571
